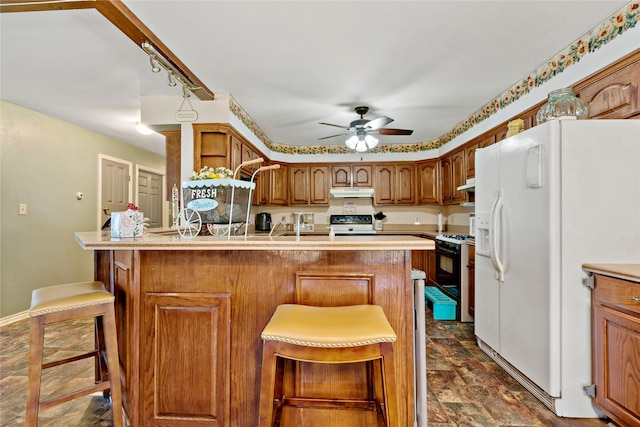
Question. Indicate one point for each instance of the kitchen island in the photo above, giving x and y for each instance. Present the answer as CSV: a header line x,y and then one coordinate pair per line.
x,y
190,313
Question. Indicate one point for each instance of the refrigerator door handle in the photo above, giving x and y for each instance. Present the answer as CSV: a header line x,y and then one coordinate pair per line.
x,y
494,229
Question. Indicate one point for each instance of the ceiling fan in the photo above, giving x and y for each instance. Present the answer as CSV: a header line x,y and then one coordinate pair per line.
x,y
360,129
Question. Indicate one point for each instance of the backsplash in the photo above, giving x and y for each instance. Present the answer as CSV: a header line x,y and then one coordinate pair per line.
x,y
456,218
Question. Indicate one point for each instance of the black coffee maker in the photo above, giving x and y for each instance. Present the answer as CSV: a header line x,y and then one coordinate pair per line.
x,y
263,221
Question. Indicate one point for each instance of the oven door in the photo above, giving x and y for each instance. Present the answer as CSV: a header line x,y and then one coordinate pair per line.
x,y
448,269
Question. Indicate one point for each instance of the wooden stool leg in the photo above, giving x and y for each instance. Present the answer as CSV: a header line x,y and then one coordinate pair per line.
x,y
101,368
389,384
36,350
267,384
113,363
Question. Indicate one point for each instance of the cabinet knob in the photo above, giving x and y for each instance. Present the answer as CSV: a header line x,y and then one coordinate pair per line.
x,y
635,298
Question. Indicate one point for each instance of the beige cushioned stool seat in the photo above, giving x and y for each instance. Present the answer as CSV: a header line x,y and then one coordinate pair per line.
x,y
348,326
68,296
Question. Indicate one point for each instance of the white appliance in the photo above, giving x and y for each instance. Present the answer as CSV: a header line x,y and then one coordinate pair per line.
x,y
352,224
561,194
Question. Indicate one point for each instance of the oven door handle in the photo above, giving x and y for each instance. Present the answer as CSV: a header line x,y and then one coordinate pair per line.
x,y
446,251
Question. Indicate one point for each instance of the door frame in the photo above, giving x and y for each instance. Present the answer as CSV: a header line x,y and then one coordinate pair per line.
x,y
163,174
99,201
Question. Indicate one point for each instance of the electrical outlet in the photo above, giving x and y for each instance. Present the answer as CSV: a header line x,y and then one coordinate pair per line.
x,y
22,208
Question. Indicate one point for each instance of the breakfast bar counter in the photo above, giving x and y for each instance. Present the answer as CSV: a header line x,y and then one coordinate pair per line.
x,y
190,312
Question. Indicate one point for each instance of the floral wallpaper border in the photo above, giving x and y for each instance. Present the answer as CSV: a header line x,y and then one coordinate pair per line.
x,y
609,29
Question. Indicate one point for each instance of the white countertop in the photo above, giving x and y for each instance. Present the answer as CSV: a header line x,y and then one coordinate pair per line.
x,y
171,240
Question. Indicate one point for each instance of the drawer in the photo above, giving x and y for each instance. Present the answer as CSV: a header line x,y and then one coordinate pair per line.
x,y
617,293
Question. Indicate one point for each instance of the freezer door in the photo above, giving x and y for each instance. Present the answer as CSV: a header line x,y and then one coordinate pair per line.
x,y
487,289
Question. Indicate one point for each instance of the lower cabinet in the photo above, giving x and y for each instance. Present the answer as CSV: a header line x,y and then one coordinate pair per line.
x,y
187,338
616,347
471,271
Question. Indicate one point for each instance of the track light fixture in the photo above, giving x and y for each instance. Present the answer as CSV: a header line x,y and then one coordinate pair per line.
x,y
172,80
174,75
154,64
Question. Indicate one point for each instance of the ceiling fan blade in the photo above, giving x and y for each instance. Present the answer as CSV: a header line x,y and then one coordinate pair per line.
x,y
331,124
332,136
387,131
378,123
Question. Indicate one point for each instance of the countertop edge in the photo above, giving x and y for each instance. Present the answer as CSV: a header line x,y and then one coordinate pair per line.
x,y
629,272
95,241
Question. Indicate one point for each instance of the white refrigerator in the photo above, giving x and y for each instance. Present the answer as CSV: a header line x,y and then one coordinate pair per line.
x,y
549,199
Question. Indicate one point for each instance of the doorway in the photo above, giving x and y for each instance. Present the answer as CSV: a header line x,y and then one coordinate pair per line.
x,y
150,191
115,187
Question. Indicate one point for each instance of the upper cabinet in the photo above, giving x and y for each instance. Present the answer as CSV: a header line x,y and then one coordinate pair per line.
x,y
614,95
278,188
429,182
453,173
394,184
219,144
351,176
309,184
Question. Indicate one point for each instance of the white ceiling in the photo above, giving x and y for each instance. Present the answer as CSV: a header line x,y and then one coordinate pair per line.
x,y
291,64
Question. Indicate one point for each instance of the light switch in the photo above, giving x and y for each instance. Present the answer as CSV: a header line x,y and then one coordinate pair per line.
x,y
22,208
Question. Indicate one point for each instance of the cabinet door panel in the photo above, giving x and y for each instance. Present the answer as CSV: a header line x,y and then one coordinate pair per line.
x,y
319,185
405,184
428,183
361,175
341,176
384,185
299,185
188,337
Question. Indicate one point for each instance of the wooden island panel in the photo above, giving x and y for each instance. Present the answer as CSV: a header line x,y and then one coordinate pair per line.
x,y
190,321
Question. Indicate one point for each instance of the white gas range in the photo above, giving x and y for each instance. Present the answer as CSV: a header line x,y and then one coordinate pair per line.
x,y
352,224
452,277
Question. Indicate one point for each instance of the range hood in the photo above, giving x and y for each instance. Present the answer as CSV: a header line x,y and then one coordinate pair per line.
x,y
351,193
469,186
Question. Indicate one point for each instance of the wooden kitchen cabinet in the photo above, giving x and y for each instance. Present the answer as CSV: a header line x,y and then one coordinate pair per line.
x,y
471,280
220,145
453,173
429,182
309,185
470,160
614,93
394,184
431,267
615,308
279,186
351,176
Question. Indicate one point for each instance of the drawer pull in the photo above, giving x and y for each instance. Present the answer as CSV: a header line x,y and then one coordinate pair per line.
x,y
635,298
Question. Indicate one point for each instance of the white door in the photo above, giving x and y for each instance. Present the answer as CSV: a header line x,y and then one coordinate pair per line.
x,y
115,187
150,197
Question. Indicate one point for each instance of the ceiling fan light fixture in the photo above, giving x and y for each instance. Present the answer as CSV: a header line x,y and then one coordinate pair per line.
x,y
361,146
352,142
371,141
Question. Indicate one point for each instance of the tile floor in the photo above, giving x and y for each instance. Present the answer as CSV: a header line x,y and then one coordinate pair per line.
x,y
465,387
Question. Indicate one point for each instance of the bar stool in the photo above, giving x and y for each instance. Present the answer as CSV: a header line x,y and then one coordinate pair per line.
x,y
348,334
62,303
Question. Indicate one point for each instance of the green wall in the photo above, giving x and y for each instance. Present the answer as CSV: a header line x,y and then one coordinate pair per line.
x,y
43,163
